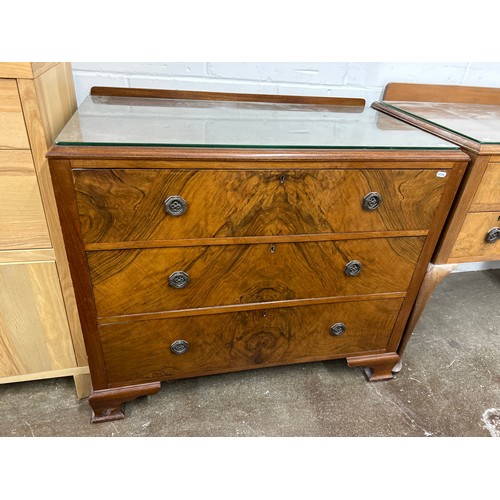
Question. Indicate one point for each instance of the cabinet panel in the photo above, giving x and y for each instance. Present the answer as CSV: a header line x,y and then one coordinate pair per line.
x,y
12,128
22,219
34,334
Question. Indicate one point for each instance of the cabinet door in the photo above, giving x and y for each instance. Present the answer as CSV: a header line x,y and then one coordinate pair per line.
x,y
34,335
22,219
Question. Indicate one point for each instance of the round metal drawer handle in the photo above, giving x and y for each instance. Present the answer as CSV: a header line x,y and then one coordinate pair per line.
x,y
179,347
372,201
179,279
338,329
493,235
175,205
353,268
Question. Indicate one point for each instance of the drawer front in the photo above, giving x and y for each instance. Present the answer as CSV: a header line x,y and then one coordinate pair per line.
x,y
487,197
142,350
471,244
12,128
22,219
128,205
141,281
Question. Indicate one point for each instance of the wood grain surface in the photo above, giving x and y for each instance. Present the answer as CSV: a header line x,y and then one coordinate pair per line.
x,y
68,214
487,197
124,205
470,245
34,334
12,129
460,208
22,218
225,96
48,102
136,281
140,351
418,92
24,69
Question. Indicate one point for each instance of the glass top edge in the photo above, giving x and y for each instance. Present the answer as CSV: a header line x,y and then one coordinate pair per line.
x,y
397,105
451,147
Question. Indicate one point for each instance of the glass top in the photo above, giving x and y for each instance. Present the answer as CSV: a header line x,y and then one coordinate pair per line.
x,y
127,121
479,122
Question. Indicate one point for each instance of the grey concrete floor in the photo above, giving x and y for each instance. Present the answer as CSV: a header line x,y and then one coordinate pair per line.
x,y
449,386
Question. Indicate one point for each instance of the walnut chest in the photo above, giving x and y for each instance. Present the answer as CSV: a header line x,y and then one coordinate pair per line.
x,y
210,233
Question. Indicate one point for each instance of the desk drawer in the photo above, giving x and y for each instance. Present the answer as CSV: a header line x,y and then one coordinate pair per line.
x,y
128,205
137,281
142,350
12,128
487,197
471,244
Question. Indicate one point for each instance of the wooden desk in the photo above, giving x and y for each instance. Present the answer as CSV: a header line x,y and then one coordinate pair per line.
x,y
470,118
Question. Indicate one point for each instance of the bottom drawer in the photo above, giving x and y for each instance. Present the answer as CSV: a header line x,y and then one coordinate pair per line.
x,y
142,350
471,244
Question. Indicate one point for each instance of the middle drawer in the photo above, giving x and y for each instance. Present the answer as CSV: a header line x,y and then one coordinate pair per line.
x,y
164,279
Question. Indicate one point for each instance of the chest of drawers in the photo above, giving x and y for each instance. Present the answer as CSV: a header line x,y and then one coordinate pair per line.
x,y
210,233
470,118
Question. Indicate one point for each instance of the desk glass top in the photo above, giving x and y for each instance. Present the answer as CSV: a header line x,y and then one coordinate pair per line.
x,y
127,121
479,122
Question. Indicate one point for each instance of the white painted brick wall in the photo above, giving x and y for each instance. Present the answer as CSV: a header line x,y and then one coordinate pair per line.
x,y
359,79
349,79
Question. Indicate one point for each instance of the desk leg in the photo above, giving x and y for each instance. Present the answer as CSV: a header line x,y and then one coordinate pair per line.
x,y
376,366
436,273
107,403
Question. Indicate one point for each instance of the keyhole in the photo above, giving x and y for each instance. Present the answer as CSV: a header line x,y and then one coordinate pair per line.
x,y
273,248
282,179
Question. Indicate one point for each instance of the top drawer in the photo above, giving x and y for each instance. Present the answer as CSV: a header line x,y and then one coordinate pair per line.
x,y
12,129
129,204
487,197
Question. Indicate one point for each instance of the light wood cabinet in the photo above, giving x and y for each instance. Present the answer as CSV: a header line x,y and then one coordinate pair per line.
x,y
40,332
